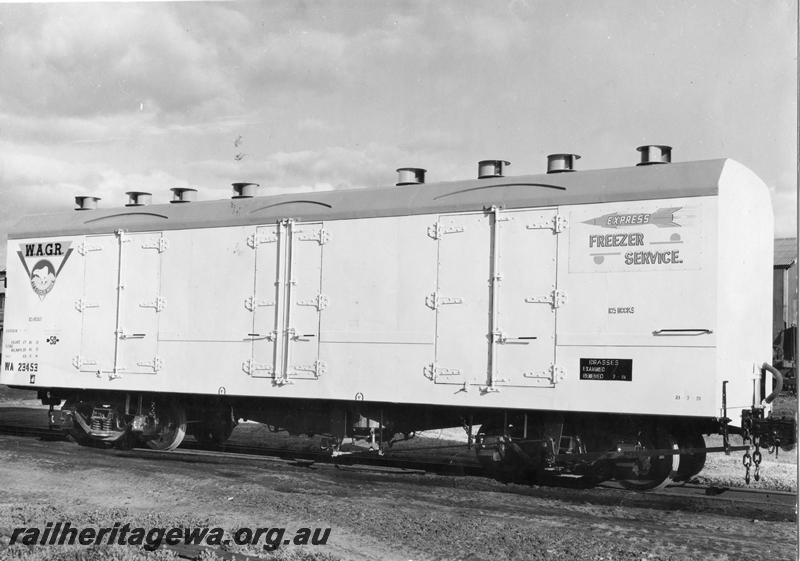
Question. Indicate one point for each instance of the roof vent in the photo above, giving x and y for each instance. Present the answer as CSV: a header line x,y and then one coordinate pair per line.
x,y
410,176
84,202
139,198
655,154
560,163
491,168
183,195
244,190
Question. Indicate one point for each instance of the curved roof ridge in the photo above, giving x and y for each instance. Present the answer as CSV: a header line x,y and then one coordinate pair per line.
x,y
683,179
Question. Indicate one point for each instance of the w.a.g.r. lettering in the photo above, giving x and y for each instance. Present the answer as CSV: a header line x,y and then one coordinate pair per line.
x,y
42,249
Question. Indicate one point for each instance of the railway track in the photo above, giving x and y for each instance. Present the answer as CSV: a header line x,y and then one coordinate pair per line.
x,y
36,432
192,451
242,452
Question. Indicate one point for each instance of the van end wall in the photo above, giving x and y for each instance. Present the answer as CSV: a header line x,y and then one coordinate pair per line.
x,y
745,254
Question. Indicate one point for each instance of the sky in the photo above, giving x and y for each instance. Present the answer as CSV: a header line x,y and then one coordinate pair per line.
x,y
101,98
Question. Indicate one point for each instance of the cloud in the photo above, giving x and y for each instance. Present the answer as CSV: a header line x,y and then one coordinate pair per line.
x,y
295,58
35,130
48,183
784,203
88,60
313,125
331,167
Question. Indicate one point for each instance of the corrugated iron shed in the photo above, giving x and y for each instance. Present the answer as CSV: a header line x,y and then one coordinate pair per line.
x,y
785,252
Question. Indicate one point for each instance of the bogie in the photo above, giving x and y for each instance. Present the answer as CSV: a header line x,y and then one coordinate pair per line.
x,y
640,453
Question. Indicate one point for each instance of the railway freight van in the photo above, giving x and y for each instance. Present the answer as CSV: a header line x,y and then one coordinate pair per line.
x,y
596,323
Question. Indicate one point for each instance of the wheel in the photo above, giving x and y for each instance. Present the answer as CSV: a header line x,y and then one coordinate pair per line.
x,y
172,428
215,428
651,472
691,464
211,434
76,432
511,467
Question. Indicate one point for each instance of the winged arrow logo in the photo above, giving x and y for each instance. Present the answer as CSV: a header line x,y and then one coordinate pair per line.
x,y
662,218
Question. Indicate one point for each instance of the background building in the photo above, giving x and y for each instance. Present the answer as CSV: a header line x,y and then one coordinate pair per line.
x,y
784,309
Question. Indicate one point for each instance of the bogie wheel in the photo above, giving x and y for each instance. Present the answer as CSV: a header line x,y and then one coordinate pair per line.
x,y
76,432
505,471
211,434
652,472
172,423
691,464
215,428
510,467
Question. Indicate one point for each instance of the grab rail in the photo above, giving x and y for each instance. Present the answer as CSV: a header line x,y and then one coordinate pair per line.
x,y
692,332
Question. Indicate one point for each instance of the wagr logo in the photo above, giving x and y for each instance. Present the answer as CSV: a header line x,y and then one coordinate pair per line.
x,y
48,260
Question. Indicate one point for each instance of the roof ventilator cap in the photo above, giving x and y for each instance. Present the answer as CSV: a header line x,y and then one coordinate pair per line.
x,y
655,154
244,190
84,202
561,163
139,198
491,168
410,176
183,195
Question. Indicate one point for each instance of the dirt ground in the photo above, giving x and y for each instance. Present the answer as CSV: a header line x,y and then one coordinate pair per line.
x,y
375,515
371,515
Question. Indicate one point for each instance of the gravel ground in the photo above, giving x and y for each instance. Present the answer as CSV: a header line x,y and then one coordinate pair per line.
x,y
371,515
378,515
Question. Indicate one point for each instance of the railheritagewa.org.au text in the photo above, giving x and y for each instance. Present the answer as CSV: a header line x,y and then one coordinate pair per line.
x,y
64,533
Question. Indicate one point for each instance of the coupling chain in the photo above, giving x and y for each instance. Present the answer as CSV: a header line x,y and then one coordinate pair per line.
x,y
754,460
756,463
747,462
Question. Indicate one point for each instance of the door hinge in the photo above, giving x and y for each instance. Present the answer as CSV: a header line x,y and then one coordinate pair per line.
x,y
433,372
557,224
79,362
437,229
84,248
554,374
257,238
251,367
81,304
156,364
320,302
321,236
433,300
161,245
317,368
556,299
159,304
251,303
